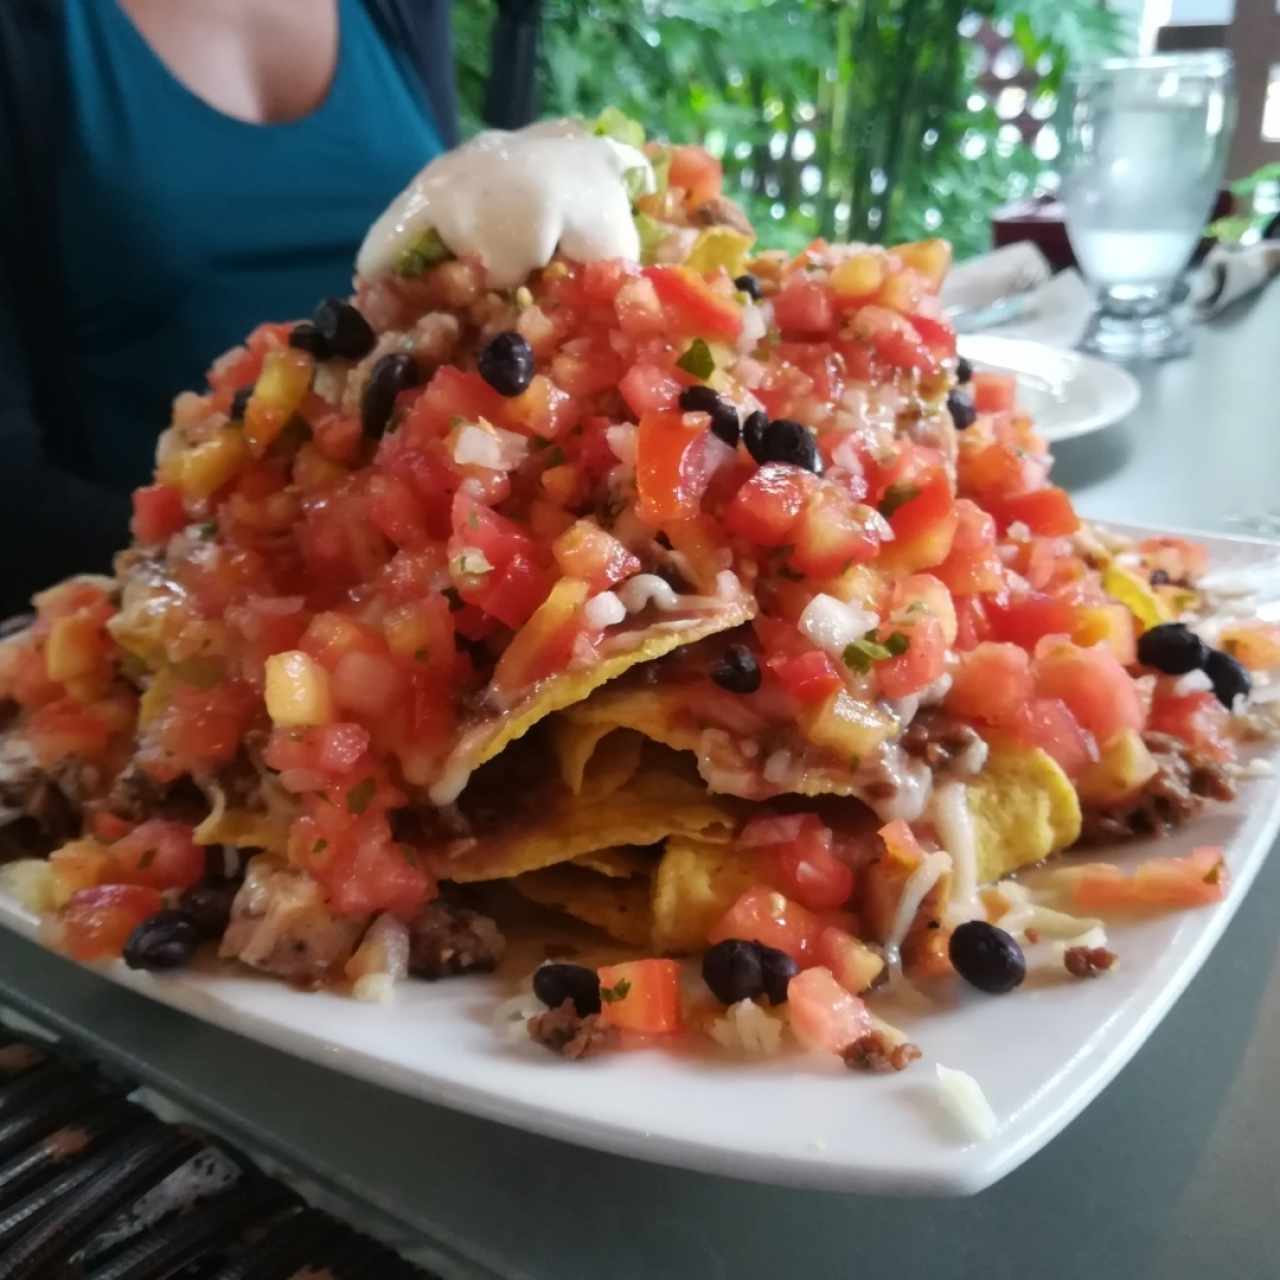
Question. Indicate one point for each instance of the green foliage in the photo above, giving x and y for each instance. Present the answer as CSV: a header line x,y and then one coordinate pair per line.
x,y
843,118
1241,227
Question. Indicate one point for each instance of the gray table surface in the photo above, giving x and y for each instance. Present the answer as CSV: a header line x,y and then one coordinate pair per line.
x,y
1173,1172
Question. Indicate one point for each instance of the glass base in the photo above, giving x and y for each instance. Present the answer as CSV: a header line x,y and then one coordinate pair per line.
x,y
1128,326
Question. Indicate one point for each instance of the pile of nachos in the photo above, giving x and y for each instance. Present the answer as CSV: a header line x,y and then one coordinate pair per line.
x,y
703,597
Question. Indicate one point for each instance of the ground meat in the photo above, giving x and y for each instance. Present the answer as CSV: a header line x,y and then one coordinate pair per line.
x,y
1183,780
564,1032
945,744
1088,962
445,939
874,1052
136,796
720,211
40,809
281,924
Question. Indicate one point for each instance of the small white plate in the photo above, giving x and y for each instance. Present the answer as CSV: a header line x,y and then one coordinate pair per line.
x,y
1066,394
1041,1054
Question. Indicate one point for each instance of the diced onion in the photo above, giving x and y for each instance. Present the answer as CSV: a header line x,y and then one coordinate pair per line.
x,y
728,585
621,439
1192,682
603,610
963,1098
486,446
777,768
833,625
718,454
645,589
746,1028
754,326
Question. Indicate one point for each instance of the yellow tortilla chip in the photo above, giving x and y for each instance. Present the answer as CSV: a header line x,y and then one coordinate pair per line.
x,y
244,829
653,712
1024,808
619,907
695,885
587,762
659,801
620,863
487,739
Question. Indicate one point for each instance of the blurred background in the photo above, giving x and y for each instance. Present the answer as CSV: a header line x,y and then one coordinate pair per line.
x,y
868,119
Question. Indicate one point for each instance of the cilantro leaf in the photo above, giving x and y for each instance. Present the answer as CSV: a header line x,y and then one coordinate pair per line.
x,y
860,654
359,796
895,496
698,360
897,644
611,995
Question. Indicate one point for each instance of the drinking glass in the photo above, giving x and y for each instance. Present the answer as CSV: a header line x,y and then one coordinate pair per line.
x,y
1144,145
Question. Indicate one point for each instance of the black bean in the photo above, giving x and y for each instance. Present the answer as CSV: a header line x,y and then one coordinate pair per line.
x,y
506,363
553,984
724,417
753,431
961,409
239,403
166,940
793,442
209,907
306,337
344,329
732,970
1159,578
391,375
778,969
1173,648
1230,679
987,958
964,371
738,671
749,285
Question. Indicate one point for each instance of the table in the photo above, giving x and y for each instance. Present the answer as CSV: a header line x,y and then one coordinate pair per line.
x,y
1172,1172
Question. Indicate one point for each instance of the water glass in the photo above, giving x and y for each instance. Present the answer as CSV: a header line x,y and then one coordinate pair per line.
x,y
1145,142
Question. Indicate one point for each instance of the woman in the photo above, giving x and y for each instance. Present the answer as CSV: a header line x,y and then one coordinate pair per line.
x,y
176,171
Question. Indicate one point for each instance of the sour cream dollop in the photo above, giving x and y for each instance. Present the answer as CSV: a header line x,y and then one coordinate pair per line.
x,y
512,198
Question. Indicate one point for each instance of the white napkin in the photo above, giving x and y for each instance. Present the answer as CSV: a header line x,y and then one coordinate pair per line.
x,y
1229,273
979,282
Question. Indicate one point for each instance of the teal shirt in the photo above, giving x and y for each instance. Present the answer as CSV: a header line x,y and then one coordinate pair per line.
x,y
181,228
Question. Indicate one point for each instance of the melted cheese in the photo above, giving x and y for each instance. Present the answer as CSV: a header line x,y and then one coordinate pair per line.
x,y
512,199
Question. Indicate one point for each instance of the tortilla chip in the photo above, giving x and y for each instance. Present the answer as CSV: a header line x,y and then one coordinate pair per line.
x,y
695,885
619,907
485,740
620,863
1024,808
587,762
244,828
660,800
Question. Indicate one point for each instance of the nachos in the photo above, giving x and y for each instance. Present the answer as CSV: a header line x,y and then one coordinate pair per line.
x,y
590,558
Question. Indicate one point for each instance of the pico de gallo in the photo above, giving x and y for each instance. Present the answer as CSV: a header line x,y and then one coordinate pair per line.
x,y
395,552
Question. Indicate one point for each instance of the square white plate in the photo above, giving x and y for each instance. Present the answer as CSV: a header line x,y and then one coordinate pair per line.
x,y
1041,1054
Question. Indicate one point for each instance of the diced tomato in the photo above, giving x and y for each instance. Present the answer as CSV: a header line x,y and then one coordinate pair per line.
x,y
823,1015
368,684
398,511
923,520
765,510
894,339
994,392
972,623
804,307
97,922
853,964
830,534
159,853
924,593
1046,511
1048,723
991,683
451,393
66,727
1198,879
924,660
512,593
1025,619
997,469
810,678
378,875
158,513
641,995
1198,719
697,172
647,388
1183,561
937,335
496,537
765,915
1109,624
673,468
1098,690
693,308
800,863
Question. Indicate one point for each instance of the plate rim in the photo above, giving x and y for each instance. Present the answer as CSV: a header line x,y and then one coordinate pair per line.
x,y
959,1170
1126,388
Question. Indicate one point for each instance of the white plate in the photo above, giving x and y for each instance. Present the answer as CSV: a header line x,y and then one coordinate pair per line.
x,y
1041,1054
1067,394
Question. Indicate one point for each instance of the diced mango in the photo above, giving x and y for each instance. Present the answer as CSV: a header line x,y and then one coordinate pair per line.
x,y
30,881
283,383
75,647
201,470
1109,624
1125,765
848,727
543,644
931,258
1133,591
297,690
859,276
82,864
719,247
